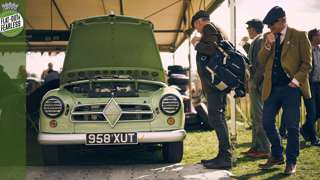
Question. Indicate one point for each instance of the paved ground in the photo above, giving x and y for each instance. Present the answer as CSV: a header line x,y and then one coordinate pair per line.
x,y
124,172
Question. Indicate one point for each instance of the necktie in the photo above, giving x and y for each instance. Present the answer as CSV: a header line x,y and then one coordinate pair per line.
x,y
278,40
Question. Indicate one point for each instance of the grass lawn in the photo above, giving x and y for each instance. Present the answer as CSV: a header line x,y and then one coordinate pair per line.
x,y
204,145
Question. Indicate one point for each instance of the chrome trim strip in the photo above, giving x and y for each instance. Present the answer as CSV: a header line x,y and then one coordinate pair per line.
x,y
86,113
123,112
143,137
132,112
114,79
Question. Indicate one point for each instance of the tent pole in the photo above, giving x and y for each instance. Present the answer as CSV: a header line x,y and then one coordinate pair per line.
x,y
173,59
233,124
190,72
189,54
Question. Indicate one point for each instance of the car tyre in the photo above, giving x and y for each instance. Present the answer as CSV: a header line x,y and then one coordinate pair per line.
x,y
172,152
192,122
175,68
178,81
184,72
202,114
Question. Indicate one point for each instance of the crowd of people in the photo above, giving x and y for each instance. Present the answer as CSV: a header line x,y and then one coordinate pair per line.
x,y
284,66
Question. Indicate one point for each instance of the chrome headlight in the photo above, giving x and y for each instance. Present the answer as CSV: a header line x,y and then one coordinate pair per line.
x,y
170,104
52,107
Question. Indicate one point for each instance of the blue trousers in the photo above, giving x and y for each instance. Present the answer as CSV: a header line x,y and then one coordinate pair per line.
x,y
289,100
312,107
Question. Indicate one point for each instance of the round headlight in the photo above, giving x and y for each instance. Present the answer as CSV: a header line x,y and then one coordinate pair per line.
x,y
170,104
52,107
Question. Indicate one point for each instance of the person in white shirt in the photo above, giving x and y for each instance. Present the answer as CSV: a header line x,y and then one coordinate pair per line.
x,y
313,104
260,147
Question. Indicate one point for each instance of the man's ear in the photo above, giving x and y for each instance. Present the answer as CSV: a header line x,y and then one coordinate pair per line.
x,y
284,20
195,23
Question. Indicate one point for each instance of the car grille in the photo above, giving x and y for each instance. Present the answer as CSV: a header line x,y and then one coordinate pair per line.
x,y
95,113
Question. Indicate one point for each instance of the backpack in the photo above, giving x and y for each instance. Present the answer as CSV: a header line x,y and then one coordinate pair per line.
x,y
226,69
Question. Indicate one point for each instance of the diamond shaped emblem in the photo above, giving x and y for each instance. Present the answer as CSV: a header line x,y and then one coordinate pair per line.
x,y
112,112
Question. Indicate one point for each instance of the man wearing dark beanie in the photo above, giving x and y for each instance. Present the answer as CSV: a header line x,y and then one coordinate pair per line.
x,y
286,58
205,44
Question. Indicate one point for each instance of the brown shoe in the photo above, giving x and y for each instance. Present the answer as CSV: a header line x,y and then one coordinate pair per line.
x,y
259,154
251,150
272,161
290,169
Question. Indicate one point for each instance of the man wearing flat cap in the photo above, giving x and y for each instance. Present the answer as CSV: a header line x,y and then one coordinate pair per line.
x,y
260,147
286,57
205,44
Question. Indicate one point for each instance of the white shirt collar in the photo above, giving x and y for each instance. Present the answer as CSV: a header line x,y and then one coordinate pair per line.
x,y
257,36
283,33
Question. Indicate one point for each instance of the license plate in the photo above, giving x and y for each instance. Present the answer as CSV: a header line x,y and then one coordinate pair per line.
x,y
111,138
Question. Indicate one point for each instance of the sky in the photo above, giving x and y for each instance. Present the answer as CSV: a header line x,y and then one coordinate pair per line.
x,y
301,14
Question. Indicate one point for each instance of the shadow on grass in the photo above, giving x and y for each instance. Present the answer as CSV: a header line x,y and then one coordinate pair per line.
x,y
304,145
260,173
277,176
245,159
197,128
244,145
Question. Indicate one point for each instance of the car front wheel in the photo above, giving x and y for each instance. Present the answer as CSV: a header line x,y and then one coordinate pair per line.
x,y
172,152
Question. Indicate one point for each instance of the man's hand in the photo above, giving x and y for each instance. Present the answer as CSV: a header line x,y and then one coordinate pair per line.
x,y
294,83
270,39
195,40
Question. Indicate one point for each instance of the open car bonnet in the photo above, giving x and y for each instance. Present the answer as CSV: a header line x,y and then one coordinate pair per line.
x,y
109,46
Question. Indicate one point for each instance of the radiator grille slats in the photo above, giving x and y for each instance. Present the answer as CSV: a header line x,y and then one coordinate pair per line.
x,y
129,112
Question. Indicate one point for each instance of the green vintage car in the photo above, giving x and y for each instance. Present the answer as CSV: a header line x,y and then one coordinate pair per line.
x,y
112,92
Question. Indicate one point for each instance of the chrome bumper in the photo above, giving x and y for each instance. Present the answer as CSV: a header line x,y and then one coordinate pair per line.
x,y
143,137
